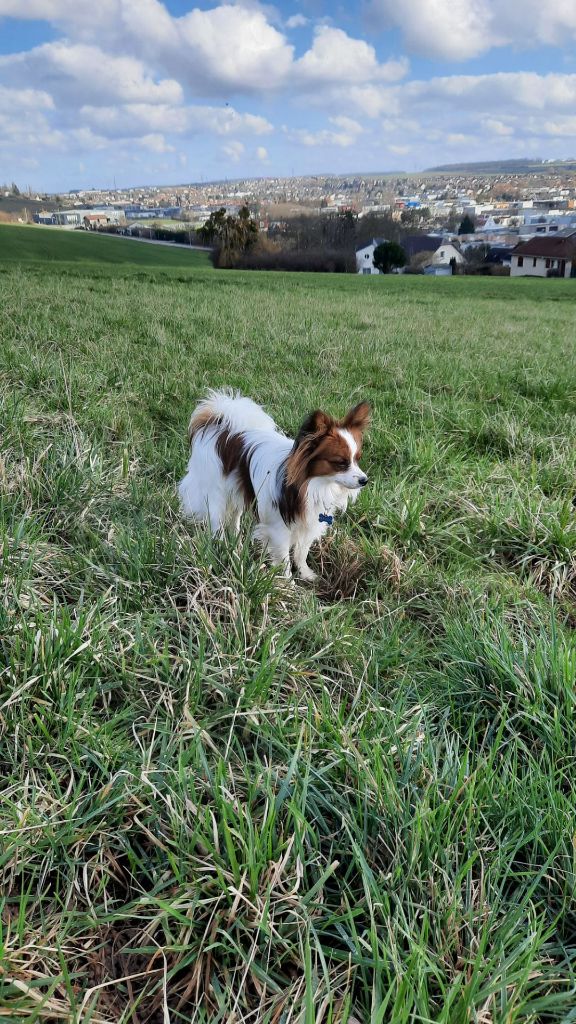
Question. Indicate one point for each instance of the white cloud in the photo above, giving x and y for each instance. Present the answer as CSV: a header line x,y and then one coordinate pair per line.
x,y
79,73
346,133
262,154
234,151
156,143
461,29
130,120
297,21
493,126
336,57
224,49
219,50
25,99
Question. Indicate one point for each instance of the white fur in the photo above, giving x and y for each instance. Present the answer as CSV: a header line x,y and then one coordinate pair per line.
x,y
207,495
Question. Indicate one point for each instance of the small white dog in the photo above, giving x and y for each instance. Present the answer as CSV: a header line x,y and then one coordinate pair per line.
x,y
239,459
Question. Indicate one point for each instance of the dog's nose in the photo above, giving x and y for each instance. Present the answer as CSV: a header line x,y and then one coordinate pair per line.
x,y
363,481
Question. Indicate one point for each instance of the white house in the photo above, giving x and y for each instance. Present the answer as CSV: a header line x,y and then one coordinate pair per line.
x,y
444,255
365,257
545,256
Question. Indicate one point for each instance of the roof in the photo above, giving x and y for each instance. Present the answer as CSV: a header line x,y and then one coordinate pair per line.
x,y
558,246
420,243
369,242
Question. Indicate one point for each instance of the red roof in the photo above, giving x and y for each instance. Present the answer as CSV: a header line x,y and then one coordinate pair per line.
x,y
563,247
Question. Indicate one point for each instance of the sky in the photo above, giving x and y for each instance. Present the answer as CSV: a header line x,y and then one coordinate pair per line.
x,y
97,93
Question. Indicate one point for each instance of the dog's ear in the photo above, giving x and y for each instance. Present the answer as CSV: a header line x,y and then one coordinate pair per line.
x,y
317,422
358,418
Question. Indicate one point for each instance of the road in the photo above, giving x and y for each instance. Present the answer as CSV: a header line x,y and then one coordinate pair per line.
x,y
157,241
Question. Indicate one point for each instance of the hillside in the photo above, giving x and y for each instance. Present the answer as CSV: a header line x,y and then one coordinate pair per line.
x,y
91,253
516,166
225,799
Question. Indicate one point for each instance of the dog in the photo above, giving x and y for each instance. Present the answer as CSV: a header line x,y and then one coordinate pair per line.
x,y
239,460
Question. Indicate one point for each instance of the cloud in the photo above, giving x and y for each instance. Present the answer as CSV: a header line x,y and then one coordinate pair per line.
x,y
346,134
493,126
24,123
461,29
156,143
130,120
336,57
225,49
262,154
25,99
297,21
234,151
79,73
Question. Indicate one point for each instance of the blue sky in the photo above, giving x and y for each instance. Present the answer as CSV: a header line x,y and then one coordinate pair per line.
x,y
94,92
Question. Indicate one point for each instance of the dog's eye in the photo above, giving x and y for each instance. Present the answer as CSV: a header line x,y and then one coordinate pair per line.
x,y
341,463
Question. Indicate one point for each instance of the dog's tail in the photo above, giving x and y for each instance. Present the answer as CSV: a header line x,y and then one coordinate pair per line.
x,y
228,409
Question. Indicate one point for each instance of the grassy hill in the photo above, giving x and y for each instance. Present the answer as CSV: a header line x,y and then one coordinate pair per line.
x,y
225,799
92,254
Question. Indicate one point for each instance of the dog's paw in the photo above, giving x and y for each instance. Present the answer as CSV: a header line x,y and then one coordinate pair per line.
x,y
307,574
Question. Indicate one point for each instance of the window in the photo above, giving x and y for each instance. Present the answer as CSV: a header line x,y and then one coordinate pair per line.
x,y
367,256
534,261
520,261
547,264
442,254
366,270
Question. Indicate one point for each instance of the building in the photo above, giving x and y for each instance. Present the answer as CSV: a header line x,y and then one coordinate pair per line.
x,y
415,244
365,257
77,218
445,254
545,256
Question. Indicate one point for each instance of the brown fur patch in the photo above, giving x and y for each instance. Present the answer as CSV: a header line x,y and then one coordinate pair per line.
x,y
313,454
201,419
233,456
332,455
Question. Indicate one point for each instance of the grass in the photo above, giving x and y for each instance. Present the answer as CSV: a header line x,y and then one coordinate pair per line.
x,y
224,800
92,255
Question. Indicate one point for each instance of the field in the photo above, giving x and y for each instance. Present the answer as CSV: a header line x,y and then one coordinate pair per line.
x,y
227,800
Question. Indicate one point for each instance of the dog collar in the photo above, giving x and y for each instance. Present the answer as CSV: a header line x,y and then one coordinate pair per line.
x,y
323,518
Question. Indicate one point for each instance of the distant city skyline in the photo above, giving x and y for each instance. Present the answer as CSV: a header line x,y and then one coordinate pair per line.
x,y
138,91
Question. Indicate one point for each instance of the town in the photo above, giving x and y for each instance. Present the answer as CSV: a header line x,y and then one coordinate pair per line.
x,y
518,219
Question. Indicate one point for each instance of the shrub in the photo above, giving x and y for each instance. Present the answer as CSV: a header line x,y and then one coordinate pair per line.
x,y
313,261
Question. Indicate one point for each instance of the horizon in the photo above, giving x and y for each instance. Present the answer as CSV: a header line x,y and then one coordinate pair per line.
x,y
462,168
246,90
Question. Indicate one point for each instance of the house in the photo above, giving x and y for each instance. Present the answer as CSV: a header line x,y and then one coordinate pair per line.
x,y
92,221
445,254
414,244
365,257
545,256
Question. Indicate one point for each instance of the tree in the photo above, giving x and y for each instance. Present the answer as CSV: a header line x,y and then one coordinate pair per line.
x,y
14,189
466,225
230,236
477,255
389,255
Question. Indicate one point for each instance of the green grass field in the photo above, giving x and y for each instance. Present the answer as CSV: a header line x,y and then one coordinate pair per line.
x,y
226,800
95,255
